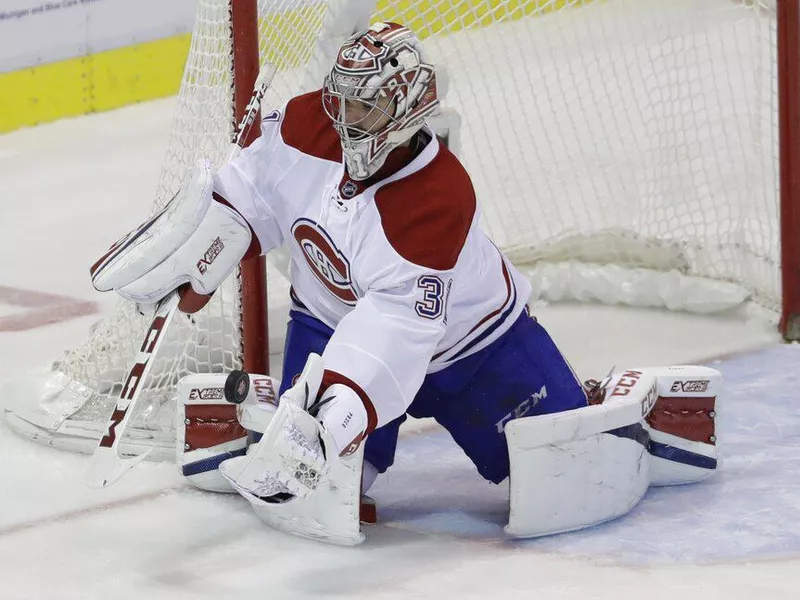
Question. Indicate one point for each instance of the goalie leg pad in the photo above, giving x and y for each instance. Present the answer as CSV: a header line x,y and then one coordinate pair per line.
x,y
655,426
581,467
256,397
682,425
208,431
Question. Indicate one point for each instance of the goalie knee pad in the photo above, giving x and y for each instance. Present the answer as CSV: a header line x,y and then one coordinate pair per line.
x,y
211,429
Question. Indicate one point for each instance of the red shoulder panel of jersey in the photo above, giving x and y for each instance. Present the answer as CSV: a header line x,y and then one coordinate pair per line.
x,y
426,216
308,129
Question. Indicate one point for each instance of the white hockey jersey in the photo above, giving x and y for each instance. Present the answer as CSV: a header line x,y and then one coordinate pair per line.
x,y
401,270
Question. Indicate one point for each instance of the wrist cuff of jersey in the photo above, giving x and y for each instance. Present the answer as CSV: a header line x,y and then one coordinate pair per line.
x,y
332,377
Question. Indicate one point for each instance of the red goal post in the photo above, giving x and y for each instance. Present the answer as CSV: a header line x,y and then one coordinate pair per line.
x,y
788,25
245,67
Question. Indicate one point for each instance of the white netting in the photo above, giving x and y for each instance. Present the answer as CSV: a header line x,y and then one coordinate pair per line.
x,y
640,133
635,133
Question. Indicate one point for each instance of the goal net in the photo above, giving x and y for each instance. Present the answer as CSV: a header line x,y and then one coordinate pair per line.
x,y
621,150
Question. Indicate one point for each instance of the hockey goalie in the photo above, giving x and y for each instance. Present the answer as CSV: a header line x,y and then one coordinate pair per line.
x,y
401,305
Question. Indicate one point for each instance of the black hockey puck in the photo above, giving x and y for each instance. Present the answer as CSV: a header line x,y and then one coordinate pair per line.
x,y
237,385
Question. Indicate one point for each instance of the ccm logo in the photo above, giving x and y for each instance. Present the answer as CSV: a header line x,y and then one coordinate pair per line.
x,y
694,385
626,381
211,254
649,401
207,394
523,409
265,391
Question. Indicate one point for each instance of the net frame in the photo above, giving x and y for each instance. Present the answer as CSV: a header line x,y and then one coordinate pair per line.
x,y
254,302
788,56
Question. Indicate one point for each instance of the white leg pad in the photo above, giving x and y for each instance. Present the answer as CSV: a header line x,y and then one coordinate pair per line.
x,y
208,431
682,425
582,467
567,473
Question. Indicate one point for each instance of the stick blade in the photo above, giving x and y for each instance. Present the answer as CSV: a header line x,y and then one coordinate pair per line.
x,y
106,467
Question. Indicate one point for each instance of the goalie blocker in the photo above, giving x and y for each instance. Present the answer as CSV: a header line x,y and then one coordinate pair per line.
x,y
193,244
569,470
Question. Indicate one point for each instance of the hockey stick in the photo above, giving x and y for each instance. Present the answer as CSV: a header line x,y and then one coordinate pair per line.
x,y
107,466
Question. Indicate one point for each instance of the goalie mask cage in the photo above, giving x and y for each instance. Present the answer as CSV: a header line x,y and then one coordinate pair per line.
x,y
639,151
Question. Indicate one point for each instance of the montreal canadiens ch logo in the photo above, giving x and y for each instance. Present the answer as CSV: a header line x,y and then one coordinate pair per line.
x,y
325,260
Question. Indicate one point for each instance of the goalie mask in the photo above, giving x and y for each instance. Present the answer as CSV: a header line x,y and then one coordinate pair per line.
x,y
378,94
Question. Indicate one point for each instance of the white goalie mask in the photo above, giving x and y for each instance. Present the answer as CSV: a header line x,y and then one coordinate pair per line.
x,y
378,94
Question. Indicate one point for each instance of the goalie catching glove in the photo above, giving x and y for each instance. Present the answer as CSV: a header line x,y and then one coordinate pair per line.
x,y
194,240
308,432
